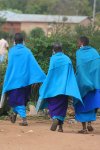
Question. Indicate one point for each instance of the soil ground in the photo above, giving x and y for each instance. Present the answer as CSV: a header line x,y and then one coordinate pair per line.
x,y
37,136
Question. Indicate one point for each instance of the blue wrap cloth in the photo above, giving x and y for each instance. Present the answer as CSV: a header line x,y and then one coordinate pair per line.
x,y
86,116
87,69
60,80
88,79
22,69
91,101
21,110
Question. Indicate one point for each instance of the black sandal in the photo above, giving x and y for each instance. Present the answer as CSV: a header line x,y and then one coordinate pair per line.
x,y
23,124
90,128
84,131
60,128
13,118
54,125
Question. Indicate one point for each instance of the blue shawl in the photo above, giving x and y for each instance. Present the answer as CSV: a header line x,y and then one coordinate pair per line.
x,y
87,69
60,80
22,69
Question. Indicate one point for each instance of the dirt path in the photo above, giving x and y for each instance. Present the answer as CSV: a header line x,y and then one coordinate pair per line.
x,y
37,136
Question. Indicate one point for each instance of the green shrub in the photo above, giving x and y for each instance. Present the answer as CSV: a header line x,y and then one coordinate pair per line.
x,y
41,47
5,109
37,32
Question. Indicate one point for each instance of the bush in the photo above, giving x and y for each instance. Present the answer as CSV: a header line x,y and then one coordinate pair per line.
x,y
5,109
41,46
93,33
37,32
7,36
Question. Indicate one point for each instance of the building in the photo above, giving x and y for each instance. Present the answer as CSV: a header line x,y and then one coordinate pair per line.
x,y
16,22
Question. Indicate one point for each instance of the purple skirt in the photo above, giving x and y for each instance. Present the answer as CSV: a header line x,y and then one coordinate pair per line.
x,y
18,97
58,106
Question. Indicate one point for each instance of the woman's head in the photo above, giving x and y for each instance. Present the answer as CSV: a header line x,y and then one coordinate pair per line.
x,y
83,41
57,47
18,38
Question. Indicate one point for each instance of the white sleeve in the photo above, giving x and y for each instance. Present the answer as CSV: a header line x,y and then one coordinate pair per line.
x,y
7,45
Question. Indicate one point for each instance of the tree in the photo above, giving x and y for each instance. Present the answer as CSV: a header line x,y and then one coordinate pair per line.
x,y
57,7
97,4
13,4
83,7
60,7
40,7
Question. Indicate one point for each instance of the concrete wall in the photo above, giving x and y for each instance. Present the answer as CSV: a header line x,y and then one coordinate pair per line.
x,y
27,26
14,27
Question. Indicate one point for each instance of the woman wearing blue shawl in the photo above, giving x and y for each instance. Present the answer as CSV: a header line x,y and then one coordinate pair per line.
x,y
58,85
22,71
88,79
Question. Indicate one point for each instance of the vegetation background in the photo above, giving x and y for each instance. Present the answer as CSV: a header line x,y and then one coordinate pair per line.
x,y
39,43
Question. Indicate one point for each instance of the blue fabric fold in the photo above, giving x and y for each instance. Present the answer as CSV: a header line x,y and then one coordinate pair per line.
x,y
21,110
87,70
88,79
91,102
22,69
60,80
86,54
86,116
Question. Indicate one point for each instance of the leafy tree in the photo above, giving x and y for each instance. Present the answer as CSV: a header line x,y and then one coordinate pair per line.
x,y
97,4
60,7
40,6
82,7
13,4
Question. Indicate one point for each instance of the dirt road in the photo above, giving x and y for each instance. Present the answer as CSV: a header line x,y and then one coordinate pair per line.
x,y
37,136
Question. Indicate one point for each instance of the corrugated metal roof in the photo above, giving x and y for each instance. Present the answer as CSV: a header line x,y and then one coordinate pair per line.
x,y
15,17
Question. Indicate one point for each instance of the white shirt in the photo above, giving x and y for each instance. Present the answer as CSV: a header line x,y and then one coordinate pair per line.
x,y
3,46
